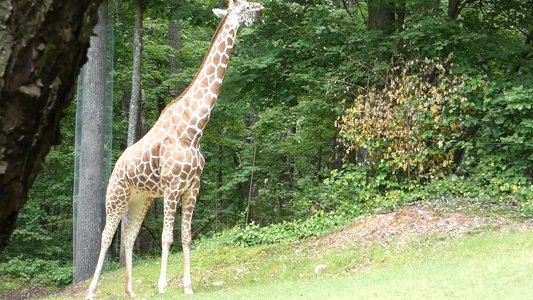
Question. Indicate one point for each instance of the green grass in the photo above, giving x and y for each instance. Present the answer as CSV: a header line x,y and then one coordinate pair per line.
x,y
481,266
7,284
495,266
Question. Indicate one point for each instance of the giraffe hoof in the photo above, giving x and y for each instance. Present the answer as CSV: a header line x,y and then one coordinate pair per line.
x,y
90,296
187,291
162,287
131,294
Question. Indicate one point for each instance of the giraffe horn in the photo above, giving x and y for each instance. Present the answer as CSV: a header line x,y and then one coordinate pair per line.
x,y
230,3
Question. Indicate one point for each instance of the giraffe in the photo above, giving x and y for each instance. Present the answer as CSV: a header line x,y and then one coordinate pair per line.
x,y
167,161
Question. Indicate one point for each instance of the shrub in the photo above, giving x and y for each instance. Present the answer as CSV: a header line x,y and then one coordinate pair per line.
x,y
40,271
413,122
253,234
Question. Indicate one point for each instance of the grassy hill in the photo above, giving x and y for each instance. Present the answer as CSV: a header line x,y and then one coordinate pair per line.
x,y
418,252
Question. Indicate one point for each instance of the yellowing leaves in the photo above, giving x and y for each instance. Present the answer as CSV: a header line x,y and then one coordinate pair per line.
x,y
411,121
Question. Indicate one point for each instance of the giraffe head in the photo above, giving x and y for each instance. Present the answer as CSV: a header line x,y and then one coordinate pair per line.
x,y
241,12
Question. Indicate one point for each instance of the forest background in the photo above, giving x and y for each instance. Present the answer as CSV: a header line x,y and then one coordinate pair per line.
x,y
329,110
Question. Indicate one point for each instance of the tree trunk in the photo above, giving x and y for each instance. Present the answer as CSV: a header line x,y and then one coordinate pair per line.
x,y
142,125
400,14
318,169
218,182
381,15
133,118
90,196
453,9
160,105
42,47
456,6
174,40
133,133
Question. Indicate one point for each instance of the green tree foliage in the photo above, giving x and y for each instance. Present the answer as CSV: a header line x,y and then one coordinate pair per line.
x,y
40,250
467,96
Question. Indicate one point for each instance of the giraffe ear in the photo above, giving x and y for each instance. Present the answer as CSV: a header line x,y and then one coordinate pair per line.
x,y
219,12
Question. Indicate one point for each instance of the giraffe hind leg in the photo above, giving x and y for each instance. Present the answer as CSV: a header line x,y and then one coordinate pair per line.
x,y
137,209
116,200
170,202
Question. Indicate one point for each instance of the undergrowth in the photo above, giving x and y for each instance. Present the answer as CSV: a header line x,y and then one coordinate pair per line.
x,y
346,195
37,271
428,267
514,195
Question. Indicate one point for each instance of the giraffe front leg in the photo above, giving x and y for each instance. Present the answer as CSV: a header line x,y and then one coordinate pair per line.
x,y
170,203
188,203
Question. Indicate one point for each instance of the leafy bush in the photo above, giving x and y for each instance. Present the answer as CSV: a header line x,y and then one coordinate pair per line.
x,y
413,123
253,234
46,272
284,232
504,128
356,190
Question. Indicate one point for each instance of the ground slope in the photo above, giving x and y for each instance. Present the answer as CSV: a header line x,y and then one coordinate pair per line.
x,y
427,251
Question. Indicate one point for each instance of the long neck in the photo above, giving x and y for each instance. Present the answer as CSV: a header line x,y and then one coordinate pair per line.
x,y
189,113
206,85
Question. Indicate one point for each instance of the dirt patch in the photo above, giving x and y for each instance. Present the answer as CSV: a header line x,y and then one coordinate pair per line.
x,y
414,221
77,290
29,293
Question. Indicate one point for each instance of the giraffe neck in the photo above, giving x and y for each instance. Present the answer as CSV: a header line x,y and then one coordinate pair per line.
x,y
202,93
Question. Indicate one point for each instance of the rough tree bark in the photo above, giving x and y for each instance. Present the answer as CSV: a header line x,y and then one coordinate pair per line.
x,y
42,47
133,133
90,217
174,40
133,116
456,6
381,15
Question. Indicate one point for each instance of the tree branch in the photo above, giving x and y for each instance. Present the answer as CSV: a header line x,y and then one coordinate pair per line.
x,y
346,8
153,236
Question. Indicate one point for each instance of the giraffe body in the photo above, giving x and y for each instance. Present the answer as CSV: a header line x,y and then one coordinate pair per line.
x,y
167,161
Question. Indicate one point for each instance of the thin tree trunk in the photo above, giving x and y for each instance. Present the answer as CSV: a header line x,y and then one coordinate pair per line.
x,y
218,182
250,189
453,9
90,198
381,15
456,6
526,53
174,40
133,133
319,162
42,48
160,105
125,103
400,14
